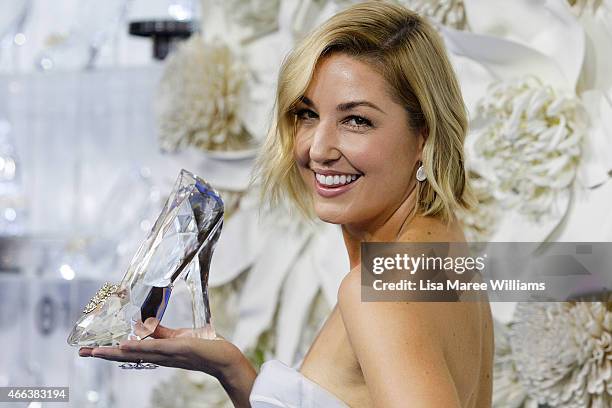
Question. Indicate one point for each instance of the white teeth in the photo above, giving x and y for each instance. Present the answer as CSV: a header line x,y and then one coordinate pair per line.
x,y
336,180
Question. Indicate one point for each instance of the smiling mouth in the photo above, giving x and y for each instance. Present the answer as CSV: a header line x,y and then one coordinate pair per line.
x,y
336,180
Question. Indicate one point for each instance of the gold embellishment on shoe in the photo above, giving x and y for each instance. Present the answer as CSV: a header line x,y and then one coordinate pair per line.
x,y
100,297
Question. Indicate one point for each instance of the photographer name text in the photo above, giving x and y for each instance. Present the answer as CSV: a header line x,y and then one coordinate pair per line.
x,y
428,285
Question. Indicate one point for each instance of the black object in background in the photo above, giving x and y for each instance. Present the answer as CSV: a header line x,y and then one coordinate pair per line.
x,y
165,34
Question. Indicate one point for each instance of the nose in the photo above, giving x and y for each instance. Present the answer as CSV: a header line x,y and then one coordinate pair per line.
x,y
324,144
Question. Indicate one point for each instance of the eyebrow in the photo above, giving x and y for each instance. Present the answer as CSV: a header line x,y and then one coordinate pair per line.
x,y
343,107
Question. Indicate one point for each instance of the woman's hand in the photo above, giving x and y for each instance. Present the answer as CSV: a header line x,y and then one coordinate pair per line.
x,y
176,348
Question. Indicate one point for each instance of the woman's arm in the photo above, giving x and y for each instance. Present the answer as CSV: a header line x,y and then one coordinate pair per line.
x,y
237,380
398,348
175,348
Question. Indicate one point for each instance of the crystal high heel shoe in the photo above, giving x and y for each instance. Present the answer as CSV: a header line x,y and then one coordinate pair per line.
x,y
180,246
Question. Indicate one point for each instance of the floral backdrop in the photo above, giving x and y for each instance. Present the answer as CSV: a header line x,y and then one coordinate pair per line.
x,y
535,76
536,81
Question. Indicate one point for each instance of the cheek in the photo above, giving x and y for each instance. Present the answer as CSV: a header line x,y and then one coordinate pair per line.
x,y
301,151
387,166
381,155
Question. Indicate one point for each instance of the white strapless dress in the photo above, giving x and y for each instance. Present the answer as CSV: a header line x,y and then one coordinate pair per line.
x,y
279,385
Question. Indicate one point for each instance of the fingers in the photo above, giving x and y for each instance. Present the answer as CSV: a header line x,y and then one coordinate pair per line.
x,y
136,353
181,352
115,354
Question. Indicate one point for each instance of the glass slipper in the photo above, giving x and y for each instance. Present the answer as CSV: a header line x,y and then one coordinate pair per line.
x,y
179,246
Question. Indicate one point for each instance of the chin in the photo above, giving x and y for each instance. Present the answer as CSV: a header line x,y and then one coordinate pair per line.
x,y
331,214
330,220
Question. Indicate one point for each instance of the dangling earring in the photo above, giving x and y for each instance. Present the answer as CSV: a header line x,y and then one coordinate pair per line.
x,y
420,174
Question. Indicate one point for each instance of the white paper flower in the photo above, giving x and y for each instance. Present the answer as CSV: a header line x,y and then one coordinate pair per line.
x,y
190,389
319,311
448,12
223,300
527,145
509,40
508,392
200,98
251,18
563,352
580,6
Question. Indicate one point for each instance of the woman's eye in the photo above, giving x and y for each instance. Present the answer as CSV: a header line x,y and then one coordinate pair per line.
x,y
305,114
358,122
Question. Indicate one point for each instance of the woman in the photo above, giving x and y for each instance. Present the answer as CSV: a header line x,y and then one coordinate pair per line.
x,y
368,134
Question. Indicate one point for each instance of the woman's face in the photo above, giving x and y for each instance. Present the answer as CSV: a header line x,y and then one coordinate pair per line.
x,y
353,146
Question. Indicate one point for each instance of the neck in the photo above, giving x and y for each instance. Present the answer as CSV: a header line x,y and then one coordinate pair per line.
x,y
388,227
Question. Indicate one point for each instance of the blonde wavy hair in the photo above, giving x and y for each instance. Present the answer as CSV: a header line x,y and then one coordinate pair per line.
x,y
408,52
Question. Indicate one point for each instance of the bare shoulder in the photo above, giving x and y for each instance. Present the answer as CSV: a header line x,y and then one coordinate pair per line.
x,y
399,347
443,349
416,320
469,314
432,229
435,320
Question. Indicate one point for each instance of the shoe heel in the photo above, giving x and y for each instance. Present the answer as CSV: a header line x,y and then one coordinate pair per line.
x,y
196,279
